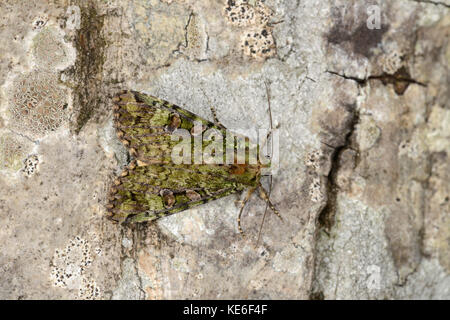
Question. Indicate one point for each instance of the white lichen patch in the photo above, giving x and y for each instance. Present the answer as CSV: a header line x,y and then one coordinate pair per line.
x,y
254,17
199,276
258,43
30,165
40,22
243,13
50,51
13,150
392,61
69,269
315,192
98,251
37,104
368,133
35,101
127,243
73,14
313,159
88,290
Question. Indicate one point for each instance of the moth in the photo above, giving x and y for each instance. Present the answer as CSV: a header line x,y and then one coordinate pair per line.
x,y
153,185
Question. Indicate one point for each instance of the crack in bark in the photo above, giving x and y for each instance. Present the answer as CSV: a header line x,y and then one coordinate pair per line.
x,y
186,31
186,44
327,214
135,265
436,3
358,80
400,79
90,45
385,77
23,135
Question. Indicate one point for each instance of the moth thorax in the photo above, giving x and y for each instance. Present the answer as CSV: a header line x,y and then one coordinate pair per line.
x,y
238,168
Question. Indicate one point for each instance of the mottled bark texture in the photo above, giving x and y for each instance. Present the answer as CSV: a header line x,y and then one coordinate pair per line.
x,y
359,96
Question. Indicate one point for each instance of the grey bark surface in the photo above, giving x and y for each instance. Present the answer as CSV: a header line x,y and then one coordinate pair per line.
x,y
363,118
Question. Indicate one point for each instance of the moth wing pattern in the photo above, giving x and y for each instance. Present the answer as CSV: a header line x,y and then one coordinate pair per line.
x,y
145,125
152,186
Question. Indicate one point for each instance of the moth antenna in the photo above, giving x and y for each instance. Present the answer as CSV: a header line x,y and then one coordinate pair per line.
x,y
213,112
247,197
268,104
216,120
265,213
266,196
270,116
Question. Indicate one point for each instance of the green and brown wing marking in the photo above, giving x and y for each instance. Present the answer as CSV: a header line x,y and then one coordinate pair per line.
x,y
152,186
144,127
154,191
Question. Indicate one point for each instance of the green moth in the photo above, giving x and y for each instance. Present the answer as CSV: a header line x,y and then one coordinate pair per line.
x,y
161,180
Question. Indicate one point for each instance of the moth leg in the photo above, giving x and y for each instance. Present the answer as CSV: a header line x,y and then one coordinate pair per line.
x,y
265,197
216,120
247,197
